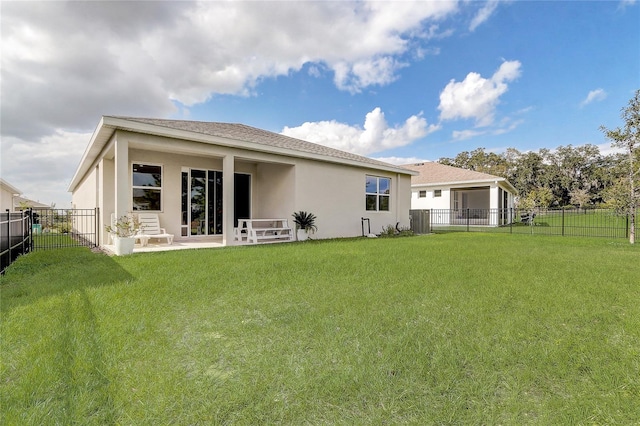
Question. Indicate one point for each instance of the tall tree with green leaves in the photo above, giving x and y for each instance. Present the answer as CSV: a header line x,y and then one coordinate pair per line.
x,y
627,137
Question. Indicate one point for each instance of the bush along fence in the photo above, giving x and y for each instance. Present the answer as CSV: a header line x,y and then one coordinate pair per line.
x,y
566,222
32,230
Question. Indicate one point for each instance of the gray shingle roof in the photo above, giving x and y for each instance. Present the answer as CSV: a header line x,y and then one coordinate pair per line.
x,y
242,132
436,173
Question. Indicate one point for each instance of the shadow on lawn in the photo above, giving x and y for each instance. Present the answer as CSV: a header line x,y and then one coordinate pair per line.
x,y
48,273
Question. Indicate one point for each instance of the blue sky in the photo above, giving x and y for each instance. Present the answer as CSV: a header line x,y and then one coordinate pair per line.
x,y
398,81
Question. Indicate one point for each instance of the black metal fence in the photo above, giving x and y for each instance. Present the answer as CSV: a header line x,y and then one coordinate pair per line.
x,y
46,229
15,237
565,222
57,228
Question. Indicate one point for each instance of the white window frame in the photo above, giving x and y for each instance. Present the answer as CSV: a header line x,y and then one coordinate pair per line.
x,y
160,188
377,194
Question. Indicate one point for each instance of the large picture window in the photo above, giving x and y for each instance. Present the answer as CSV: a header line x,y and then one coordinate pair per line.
x,y
147,187
377,193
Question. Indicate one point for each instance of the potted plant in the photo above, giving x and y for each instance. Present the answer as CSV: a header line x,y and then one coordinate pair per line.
x,y
305,224
123,232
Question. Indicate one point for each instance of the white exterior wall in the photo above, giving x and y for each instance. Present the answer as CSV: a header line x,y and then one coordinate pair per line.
x,y
85,197
476,199
494,202
430,201
6,200
486,198
273,191
336,195
280,185
403,192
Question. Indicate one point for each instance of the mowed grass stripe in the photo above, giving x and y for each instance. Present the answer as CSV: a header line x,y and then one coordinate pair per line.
x,y
453,328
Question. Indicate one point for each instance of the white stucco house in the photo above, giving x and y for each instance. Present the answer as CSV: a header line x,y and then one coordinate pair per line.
x,y
458,196
201,177
8,193
11,198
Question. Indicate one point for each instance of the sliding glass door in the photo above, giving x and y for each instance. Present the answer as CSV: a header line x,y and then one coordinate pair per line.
x,y
201,202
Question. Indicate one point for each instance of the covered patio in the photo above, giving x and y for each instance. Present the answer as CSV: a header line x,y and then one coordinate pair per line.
x,y
178,244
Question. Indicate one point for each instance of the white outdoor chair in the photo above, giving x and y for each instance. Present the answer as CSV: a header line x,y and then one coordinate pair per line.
x,y
150,224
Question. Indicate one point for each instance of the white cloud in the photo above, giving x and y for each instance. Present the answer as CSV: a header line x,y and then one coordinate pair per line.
x,y
460,135
137,57
506,125
608,149
483,14
626,3
369,72
401,161
61,71
477,97
43,169
594,96
376,136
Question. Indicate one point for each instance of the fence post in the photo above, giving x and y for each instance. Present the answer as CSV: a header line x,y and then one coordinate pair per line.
x,y
10,246
467,220
30,230
22,229
563,222
511,220
627,227
97,218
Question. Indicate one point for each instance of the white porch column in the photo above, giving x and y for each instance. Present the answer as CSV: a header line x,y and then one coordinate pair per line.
x,y
228,192
493,204
122,184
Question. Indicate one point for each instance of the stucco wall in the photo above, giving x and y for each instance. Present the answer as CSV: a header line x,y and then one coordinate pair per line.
x,y
430,201
487,198
336,195
280,185
6,200
273,191
85,197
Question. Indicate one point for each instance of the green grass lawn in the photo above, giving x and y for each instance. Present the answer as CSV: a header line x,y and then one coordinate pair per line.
x,y
582,223
601,223
441,329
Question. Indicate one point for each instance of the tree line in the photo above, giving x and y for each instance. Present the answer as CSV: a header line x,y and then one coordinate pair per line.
x,y
569,175
578,176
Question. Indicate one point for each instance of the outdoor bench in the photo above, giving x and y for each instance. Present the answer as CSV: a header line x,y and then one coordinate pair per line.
x,y
527,218
262,230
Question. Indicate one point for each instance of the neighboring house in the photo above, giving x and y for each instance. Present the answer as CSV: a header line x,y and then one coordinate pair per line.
x,y
20,203
201,177
11,199
7,194
466,195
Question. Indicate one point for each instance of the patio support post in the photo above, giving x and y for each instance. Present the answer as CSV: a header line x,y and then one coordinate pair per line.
x,y
123,189
494,202
228,192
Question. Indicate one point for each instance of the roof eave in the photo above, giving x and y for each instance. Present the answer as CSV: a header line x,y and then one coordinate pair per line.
x,y
467,182
108,125
11,188
99,139
242,144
